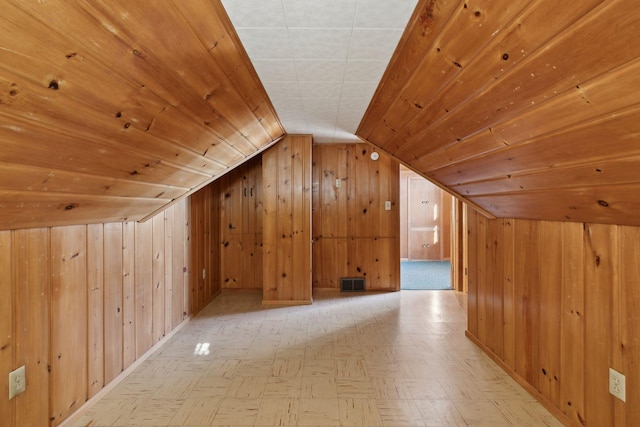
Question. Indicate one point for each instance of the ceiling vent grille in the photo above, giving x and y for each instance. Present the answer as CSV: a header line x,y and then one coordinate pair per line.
x,y
352,284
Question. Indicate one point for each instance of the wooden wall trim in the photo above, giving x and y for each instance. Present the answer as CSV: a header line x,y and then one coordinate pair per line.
x,y
528,387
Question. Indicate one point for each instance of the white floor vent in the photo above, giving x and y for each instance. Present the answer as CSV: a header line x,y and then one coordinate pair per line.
x,y
352,284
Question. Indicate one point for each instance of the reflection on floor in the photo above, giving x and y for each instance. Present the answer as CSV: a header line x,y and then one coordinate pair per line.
x,y
392,359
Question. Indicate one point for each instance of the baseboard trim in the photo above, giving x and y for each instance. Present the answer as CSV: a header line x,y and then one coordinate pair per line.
x,y
287,302
555,411
117,380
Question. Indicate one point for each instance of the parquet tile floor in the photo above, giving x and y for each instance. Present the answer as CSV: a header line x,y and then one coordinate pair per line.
x,y
377,359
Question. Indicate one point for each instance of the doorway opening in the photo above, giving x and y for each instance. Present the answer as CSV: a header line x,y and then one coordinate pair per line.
x,y
426,234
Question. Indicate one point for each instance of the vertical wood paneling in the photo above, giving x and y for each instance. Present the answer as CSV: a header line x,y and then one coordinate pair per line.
x,y
575,311
144,287
550,284
471,265
572,337
158,276
113,273
269,223
508,293
68,308
285,210
129,315
601,277
182,253
526,300
215,266
7,338
169,218
353,234
179,265
495,282
197,261
68,383
628,344
481,284
287,221
32,273
95,308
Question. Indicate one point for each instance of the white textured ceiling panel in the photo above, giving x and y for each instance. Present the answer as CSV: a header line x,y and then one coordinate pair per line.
x,y
320,60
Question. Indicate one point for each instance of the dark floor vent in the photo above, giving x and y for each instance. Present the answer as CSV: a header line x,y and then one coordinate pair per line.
x,y
352,284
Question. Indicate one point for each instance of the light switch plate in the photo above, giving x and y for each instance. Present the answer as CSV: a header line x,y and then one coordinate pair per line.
x,y
387,205
338,183
17,382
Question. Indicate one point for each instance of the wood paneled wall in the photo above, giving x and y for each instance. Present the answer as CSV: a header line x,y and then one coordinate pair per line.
x,y
240,195
78,304
558,304
353,235
204,241
286,177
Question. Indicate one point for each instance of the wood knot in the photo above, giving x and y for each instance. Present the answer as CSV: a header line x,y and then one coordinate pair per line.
x,y
53,84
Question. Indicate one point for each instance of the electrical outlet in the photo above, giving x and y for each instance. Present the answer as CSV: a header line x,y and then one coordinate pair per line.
x,y
17,382
617,384
338,183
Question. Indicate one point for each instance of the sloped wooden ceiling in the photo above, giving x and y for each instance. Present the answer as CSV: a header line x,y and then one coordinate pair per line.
x,y
528,109
110,110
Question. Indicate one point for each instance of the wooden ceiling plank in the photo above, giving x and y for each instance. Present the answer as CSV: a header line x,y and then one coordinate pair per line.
x,y
535,26
478,145
35,209
30,145
426,23
597,98
195,69
562,65
77,84
610,137
212,26
595,173
54,135
603,95
128,60
603,204
453,51
16,177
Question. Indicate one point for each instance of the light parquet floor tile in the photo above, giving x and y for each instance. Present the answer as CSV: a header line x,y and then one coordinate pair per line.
x,y
373,360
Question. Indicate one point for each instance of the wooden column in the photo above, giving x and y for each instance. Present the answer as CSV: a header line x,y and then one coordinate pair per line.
x,y
287,221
